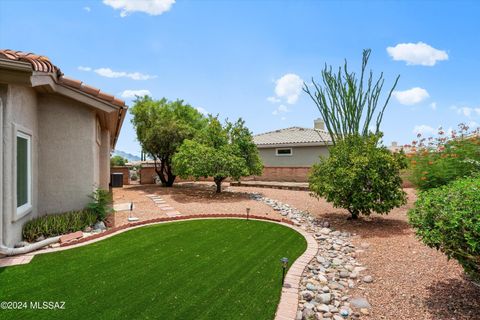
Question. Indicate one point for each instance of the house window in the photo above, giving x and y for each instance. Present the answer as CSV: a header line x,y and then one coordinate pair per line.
x,y
24,172
283,152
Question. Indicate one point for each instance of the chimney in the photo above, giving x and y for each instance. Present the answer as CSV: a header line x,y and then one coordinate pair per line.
x,y
319,124
394,144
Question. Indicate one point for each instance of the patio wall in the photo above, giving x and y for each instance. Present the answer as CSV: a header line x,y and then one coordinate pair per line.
x,y
125,171
288,174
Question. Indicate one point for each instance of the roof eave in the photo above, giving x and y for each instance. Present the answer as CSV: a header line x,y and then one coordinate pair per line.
x,y
290,145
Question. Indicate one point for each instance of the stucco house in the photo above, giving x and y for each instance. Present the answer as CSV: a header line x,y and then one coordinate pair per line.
x,y
288,154
57,134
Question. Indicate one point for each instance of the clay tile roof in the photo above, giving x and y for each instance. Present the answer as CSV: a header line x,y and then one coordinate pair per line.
x,y
43,64
293,135
39,63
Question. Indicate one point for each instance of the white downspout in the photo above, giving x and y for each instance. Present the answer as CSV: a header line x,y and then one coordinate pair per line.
x,y
31,247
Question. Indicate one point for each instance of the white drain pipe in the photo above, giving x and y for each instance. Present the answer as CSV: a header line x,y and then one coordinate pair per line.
x,y
31,247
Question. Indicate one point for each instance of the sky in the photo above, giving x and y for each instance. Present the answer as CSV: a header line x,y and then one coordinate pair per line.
x,y
250,59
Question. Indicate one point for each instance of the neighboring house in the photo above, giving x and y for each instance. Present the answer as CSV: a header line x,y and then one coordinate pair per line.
x,y
57,136
288,154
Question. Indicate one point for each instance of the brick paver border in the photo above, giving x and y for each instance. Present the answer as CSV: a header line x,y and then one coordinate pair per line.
x,y
288,305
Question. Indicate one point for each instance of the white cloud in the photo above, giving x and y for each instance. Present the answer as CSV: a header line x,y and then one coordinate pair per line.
x,y
287,88
130,94
466,111
81,68
281,109
273,100
109,73
417,54
88,9
433,105
423,129
283,118
151,7
202,110
411,96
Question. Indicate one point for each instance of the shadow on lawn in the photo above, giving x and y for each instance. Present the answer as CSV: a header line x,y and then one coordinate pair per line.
x,y
453,299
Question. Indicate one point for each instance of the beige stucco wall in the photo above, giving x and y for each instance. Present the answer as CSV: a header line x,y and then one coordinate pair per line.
x,y
68,154
105,159
69,159
301,156
19,113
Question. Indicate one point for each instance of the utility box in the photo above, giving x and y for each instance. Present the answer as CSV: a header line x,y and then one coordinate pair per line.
x,y
116,180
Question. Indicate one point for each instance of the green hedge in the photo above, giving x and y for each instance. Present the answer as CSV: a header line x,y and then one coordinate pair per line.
x,y
57,224
448,219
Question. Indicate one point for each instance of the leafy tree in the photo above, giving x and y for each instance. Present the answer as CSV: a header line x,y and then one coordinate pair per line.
x,y
161,127
117,161
219,152
345,101
360,176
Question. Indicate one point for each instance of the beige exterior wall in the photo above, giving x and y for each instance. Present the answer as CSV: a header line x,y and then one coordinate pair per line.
x,y
301,156
69,159
18,114
68,154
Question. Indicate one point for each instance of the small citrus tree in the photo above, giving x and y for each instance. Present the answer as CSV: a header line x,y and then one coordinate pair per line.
x,y
220,152
360,176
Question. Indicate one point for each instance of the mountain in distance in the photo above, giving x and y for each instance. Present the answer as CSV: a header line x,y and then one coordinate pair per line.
x,y
126,155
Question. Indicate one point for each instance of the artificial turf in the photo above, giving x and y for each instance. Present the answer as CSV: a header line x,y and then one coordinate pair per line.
x,y
198,269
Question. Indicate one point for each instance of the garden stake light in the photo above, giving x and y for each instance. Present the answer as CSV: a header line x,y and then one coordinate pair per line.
x,y
248,212
130,218
284,268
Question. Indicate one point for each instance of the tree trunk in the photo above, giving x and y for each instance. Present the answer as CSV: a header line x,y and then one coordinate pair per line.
x,y
167,178
218,182
354,214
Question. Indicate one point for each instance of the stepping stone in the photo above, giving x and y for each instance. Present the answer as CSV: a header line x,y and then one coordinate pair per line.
x,y
151,195
167,208
122,206
173,214
163,205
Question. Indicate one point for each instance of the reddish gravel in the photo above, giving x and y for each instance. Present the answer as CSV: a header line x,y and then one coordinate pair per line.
x,y
411,281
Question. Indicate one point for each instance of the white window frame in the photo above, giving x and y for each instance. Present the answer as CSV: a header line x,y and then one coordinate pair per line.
x,y
284,155
27,207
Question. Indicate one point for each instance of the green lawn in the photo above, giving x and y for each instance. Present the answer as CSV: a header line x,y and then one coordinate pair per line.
x,y
199,269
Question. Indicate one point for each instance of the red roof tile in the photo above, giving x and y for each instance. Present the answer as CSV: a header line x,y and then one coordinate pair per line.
x,y
43,64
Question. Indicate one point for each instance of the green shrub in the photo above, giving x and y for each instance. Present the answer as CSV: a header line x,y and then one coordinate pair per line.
x,y
438,161
118,161
57,224
134,177
360,176
448,219
101,204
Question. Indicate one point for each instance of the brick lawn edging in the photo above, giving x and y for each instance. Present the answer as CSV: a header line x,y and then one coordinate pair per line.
x,y
167,219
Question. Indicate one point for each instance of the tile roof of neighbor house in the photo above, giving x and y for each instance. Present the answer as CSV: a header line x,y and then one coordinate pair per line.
x,y
43,64
293,135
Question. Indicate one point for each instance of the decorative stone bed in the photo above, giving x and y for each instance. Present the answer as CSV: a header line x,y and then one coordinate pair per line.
x,y
327,279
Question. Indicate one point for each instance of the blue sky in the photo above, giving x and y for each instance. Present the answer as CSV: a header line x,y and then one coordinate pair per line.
x,y
248,58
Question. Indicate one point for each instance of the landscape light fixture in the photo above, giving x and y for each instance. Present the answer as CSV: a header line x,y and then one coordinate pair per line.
x,y
248,212
130,217
284,262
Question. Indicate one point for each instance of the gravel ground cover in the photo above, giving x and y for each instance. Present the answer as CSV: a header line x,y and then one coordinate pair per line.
x,y
409,280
